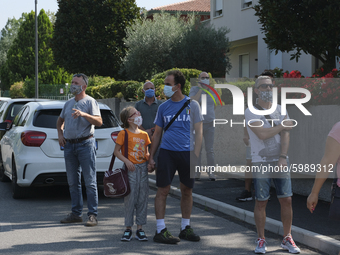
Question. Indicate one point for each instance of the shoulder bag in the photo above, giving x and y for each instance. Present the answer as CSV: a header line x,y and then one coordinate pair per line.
x,y
178,113
116,182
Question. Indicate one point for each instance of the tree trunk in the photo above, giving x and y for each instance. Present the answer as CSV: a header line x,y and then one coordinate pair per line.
x,y
330,63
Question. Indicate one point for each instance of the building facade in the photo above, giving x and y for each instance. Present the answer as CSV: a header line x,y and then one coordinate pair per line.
x,y
249,53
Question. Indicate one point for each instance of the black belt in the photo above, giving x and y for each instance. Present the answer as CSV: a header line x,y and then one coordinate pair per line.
x,y
78,140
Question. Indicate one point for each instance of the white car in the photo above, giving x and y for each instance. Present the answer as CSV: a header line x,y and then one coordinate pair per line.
x,y
9,107
31,154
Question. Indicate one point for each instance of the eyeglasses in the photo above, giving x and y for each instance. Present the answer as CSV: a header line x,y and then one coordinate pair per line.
x,y
205,78
264,86
136,112
85,78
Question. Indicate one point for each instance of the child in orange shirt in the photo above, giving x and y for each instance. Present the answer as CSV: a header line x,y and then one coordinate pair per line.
x,y
138,154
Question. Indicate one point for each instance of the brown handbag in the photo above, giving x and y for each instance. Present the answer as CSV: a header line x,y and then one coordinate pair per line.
x,y
116,182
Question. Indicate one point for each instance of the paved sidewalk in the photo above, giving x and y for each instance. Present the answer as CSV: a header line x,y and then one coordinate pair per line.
x,y
39,231
309,228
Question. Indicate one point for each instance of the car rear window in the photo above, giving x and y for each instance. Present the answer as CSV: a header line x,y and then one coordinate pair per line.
x,y
109,119
48,119
2,102
13,110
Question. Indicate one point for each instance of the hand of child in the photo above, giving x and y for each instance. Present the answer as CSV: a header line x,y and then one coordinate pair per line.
x,y
130,166
151,166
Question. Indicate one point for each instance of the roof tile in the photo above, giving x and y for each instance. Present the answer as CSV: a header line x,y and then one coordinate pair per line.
x,y
190,5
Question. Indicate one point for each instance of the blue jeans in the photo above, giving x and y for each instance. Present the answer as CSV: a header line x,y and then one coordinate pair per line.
x,y
262,182
81,158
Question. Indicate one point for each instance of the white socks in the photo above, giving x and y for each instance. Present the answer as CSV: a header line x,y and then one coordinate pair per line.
x,y
185,222
160,225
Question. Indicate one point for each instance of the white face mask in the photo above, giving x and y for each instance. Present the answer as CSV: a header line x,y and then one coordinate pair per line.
x,y
168,91
138,120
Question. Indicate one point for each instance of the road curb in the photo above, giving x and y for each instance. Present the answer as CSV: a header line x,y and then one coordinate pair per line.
x,y
321,242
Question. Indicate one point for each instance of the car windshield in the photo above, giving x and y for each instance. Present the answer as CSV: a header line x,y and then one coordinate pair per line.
x,y
48,118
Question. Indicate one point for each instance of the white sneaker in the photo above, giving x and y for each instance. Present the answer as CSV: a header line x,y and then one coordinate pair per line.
x,y
261,246
289,244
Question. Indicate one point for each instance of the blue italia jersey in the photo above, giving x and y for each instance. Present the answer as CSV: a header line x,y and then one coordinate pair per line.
x,y
177,137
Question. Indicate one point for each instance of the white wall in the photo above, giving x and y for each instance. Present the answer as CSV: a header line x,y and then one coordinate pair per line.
x,y
250,49
243,25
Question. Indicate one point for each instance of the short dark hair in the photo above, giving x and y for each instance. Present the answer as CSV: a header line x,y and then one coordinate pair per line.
x,y
178,77
85,78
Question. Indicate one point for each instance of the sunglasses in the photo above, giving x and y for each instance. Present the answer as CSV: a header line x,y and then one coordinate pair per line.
x,y
205,78
264,86
136,112
83,76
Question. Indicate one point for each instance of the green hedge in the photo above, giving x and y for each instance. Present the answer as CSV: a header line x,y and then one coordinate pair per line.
x,y
243,84
158,80
132,90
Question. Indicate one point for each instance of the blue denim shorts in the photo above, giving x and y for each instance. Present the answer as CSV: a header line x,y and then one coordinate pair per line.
x,y
262,182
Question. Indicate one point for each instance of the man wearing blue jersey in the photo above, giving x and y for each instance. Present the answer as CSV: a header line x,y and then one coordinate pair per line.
x,y
182,139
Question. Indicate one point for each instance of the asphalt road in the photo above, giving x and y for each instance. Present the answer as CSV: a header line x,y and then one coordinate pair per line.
x,y
31,226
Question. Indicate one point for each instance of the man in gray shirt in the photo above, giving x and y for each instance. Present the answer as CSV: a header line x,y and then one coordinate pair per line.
x,y
75,127
208,122
148,109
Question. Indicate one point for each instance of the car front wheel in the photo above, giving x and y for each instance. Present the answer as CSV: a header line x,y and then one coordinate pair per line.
x,y
17,191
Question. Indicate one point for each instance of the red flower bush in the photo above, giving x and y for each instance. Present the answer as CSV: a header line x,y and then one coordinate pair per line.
x,y
324,87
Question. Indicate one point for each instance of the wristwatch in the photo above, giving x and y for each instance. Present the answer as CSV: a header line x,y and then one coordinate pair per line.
x,y
283,156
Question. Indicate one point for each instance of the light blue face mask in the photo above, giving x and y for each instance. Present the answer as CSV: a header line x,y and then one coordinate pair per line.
x,y
150,93
168,91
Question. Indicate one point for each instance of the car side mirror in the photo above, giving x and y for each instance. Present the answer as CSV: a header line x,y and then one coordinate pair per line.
x,y
4,126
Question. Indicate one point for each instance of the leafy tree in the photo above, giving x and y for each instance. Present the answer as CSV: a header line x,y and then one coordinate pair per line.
x,y
150,44
311,26
88,35
204,48
169,41
51,16
8,34
17,90
20,62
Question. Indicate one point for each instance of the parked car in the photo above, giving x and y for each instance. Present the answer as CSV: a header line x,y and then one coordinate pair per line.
x,y
10,107
31,153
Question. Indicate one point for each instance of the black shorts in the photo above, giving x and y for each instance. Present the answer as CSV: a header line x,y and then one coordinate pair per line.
x,y
168,163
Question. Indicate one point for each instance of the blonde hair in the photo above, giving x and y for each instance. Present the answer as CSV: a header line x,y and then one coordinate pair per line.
x,y
124,116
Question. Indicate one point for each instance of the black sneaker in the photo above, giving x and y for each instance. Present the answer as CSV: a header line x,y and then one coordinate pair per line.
x,y
245,196
71,218
127,235
188,234
165,237
140,235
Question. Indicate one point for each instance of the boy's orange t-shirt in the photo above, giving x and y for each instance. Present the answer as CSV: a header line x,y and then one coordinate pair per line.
x,y
137,144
